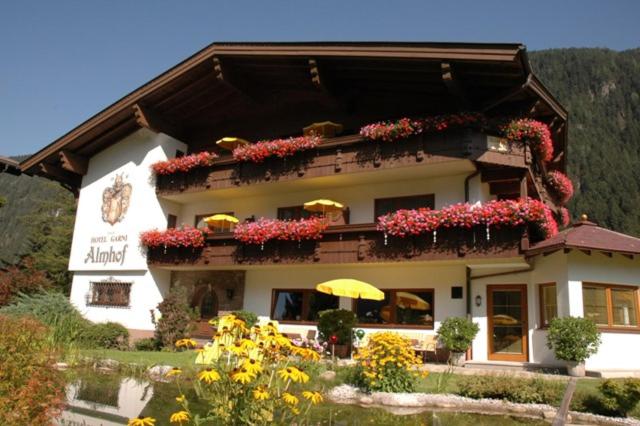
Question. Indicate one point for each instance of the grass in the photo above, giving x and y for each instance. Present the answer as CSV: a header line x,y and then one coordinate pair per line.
x,y
183,360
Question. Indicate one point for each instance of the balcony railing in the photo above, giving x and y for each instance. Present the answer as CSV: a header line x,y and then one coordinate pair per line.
x,y
347,154
348,244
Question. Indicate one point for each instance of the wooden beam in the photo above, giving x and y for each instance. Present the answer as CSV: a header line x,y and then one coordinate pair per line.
x,y
607,253
497,188
315,73
222,75
628,256
61,175
524,187
501,175
217,68
587,252
453,85
149,119
73,162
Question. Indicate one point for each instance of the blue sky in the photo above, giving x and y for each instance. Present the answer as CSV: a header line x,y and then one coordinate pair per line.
x,y
63,61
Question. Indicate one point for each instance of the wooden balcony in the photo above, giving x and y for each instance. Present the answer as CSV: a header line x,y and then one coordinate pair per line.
x,y
342,155
351,244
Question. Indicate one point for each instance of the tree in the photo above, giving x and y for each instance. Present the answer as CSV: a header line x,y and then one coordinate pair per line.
x,y
21,278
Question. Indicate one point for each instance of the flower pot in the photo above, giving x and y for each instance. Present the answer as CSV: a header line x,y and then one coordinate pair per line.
x,y
575,369
458,358
341,351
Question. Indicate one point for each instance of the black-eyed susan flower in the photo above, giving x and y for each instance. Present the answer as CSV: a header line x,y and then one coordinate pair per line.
x,y
180,417
289,373
260,393
314,397
175,371
186,343
290,398
242,376
142,421
180,399
252,366
208,376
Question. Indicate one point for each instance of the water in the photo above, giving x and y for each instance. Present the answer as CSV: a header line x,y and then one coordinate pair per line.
x,y
96,399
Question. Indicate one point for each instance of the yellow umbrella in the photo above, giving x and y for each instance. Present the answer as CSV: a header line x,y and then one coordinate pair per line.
x,y
410,300
220,220
324,206
348,287
230,143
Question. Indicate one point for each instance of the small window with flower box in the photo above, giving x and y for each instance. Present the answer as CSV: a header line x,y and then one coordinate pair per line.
x,y
612,307
110,293
548,304
295,305
410,308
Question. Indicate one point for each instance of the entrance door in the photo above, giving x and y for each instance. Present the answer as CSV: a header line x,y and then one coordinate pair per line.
x,y
508,327
206,302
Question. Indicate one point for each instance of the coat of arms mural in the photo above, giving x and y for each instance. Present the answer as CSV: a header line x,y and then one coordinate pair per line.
x,y
115,201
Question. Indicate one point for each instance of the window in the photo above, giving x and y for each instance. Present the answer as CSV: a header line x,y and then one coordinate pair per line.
x,y
383,206
548,304
300,305
610,305
109,293
294,213
172,221
199,222
411,307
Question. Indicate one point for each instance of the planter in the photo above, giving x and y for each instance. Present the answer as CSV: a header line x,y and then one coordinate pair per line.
x,y
575,369
341,351
458,358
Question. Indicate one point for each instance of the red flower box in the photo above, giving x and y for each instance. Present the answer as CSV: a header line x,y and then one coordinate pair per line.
x,y
535,133
183,164
262,150
561,185
263,230
405,127
174,237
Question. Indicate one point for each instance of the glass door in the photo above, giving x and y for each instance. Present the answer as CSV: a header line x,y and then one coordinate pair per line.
x,y
507,317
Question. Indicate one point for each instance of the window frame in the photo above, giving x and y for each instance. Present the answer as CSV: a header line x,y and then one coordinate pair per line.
x,y
542,311
94,300
305,304
377,201
392,302
608,287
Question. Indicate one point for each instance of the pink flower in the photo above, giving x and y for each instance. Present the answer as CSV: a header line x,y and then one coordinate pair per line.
x,y
184,163
561,185
263,230
535,133
281,148
186,236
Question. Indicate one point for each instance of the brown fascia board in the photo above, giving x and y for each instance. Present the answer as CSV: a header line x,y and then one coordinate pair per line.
x,y
465,51
556,247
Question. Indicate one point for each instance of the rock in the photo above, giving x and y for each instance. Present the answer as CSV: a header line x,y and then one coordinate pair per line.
x,y
111,364
158,372
328,376
548,415
365,400
60,365
344,394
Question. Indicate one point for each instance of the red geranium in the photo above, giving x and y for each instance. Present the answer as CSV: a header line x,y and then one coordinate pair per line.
x,y
263,230
535,133
561,185
186,236
259,151
183,164
405,127
565,217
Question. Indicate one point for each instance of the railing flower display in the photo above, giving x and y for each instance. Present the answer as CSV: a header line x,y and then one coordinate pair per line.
x,y
507,213
403,128
183,164
260,151
263,230
561,185
564,216
533,132
186,236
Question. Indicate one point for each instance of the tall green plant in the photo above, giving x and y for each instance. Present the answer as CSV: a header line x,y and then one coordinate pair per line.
x,y
457,333
176,318
573,339
336,322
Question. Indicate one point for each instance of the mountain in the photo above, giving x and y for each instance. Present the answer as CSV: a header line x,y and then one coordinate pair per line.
x,y
599,87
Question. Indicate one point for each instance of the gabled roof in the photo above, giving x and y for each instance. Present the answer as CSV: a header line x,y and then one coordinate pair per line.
x,y
585,235
9,165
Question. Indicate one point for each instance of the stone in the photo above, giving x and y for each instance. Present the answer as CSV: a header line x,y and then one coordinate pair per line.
x,y
158,372
328,376
365,400
548,415
109,363
61,365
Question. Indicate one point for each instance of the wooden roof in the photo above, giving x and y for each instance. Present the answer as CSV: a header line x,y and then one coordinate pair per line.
x,y
9,165
264,90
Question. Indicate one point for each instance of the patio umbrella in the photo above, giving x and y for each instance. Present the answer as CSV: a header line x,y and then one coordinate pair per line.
x,y
348,287
410,300
323,206
220,221
230,143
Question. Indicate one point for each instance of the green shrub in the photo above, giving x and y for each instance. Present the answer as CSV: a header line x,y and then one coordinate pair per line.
x,y
109,335
31,389
176,318
248,317
573,339
66,325
148,344
529,391
616,398
457,334
338,322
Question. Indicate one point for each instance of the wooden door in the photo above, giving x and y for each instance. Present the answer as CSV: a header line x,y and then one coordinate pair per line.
x,y
206,302
508,325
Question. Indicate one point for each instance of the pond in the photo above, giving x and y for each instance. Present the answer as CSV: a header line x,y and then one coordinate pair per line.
x,y
99,399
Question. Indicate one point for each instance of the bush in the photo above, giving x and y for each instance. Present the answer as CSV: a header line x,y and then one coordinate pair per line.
x,y
31,390
336,322
573,339
21,278
248,317
457,334
109,335
616,398
65,324
528,391
148,344
388,364
177,317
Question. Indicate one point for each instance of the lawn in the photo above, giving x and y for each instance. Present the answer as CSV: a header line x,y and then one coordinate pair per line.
x,y
147,359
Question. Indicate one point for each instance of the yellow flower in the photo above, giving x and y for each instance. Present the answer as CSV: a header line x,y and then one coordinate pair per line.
x,y
208,376
179,417
294,374
186,343
173,372
294,410
252,366
260,393
237,348
314,397
289,398
181,399
242,376
142,421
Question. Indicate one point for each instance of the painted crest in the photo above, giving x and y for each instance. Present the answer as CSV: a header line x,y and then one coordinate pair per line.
x,y
115,201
